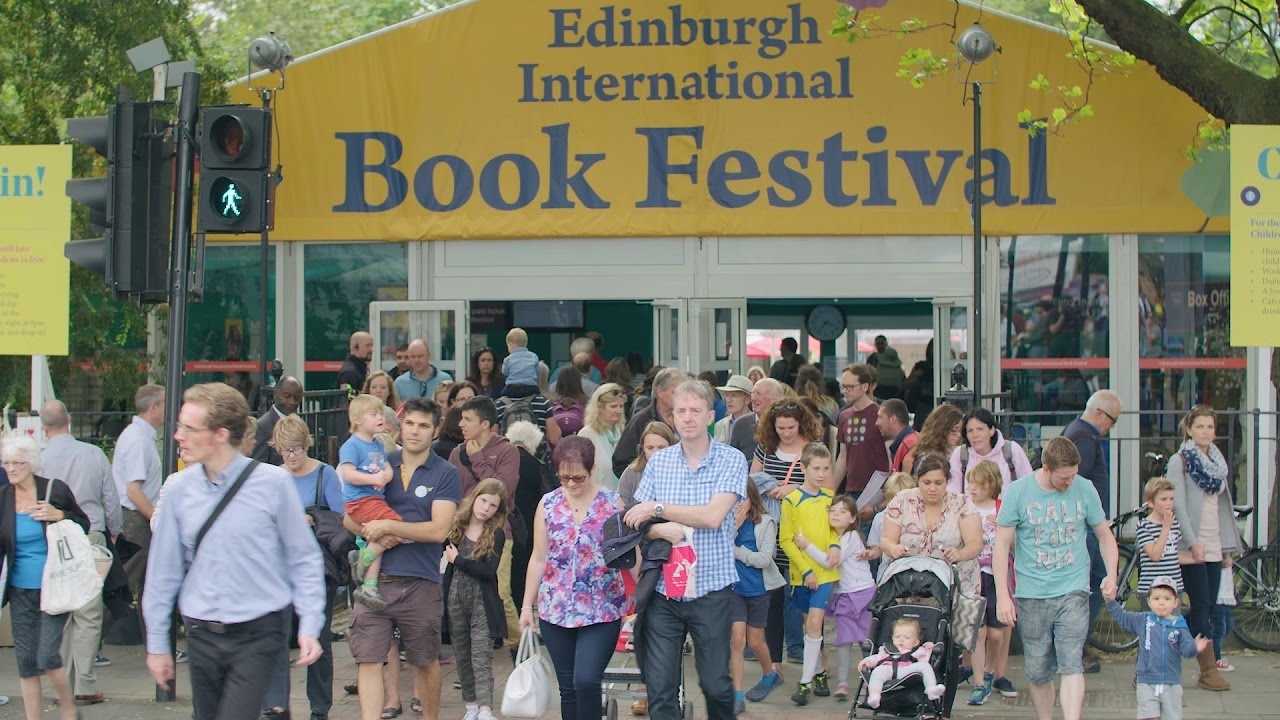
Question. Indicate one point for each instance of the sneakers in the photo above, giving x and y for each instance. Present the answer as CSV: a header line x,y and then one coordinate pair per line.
x,y
1091,663
801,695
472,713
101,661
368,596
761,690
820,685
1224,666
180,657
1004,687
980,694
486,715
842,691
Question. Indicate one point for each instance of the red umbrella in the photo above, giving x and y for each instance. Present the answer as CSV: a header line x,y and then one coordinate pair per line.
x,y
769,347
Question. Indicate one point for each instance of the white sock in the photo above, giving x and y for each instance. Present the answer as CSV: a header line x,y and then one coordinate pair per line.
x,y
812,651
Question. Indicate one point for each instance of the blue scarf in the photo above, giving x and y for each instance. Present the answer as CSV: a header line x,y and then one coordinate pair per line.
x,y
1208,472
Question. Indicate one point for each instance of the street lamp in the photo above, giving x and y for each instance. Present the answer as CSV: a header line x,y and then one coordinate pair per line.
x,y
976,44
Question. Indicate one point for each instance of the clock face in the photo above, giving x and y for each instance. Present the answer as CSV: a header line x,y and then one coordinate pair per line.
x,y
825,322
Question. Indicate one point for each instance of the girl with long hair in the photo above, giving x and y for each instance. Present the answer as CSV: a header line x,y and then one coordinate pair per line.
x,y
941,434
476,619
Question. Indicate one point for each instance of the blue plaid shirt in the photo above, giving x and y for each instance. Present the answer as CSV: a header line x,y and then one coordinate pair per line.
x,y
668,480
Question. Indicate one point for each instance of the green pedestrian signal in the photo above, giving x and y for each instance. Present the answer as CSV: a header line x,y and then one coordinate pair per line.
x,y
235,175
227,199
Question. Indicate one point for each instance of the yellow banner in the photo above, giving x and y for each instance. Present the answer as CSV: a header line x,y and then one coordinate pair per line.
x,y
1255,235
589,118
35,223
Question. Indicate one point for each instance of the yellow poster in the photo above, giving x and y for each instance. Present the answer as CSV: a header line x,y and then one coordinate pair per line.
x,y
1255,235
591,118
35,223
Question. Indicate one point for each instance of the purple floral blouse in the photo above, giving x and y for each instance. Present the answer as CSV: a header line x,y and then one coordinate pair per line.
x,y
577,588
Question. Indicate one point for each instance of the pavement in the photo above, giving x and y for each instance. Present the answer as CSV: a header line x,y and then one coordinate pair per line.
x,y
1110,694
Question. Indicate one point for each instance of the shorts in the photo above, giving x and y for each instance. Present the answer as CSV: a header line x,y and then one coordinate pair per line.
x,y
754,611
1160,701
852,612
804,599
1053,631
415,607
989,594
370,508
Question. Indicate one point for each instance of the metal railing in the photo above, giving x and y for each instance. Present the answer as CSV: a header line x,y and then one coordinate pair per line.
x,y
1160,433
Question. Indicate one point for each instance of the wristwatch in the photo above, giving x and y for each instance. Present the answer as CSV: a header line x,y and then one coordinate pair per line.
x,y
658,510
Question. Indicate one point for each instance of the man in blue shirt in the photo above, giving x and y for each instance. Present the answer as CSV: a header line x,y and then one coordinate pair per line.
x,y
693,484
257,559
425,490
422,378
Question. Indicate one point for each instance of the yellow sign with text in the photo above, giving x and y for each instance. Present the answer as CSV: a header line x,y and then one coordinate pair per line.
x,y
590,118
1255,235
35,223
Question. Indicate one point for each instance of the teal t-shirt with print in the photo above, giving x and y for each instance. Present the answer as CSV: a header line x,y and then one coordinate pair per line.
x,y
1049,551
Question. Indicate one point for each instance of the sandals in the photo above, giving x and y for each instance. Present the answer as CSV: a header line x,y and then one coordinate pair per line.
x,y
415,705
390,713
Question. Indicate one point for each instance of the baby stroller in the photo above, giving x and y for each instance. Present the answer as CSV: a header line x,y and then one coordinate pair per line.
x,y
923,589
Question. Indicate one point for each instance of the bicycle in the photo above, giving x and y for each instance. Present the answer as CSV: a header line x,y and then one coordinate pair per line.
x,y
1106,634
1257,585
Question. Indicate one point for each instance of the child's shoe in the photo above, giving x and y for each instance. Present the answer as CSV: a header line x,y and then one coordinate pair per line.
x,y
369,596
820,685
801,695
842,691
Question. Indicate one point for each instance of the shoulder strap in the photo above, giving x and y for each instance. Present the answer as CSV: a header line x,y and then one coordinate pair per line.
x,y
964,466
1008,459
320,484
222,504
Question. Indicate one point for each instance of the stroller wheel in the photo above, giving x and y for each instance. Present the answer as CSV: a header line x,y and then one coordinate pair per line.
x,y
611,709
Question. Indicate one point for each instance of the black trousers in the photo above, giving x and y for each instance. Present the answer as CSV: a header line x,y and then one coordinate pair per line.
x,y
231,666
663,632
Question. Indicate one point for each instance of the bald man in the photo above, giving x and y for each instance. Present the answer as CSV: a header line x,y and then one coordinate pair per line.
x,y
356,367
763,394
287,400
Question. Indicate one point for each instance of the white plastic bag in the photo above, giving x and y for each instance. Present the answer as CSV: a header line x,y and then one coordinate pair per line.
x,y
1227,588
71,578
528,691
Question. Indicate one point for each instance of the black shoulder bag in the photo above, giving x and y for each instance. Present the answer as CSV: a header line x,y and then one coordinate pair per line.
x,y
222,505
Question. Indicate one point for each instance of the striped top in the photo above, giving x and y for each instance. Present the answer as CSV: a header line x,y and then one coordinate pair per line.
x,y
777,465
1148,532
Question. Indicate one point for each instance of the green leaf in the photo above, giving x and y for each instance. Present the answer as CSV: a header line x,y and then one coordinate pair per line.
x,y
1059,115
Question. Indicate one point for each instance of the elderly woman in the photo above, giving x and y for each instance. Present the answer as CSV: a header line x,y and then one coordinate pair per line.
x,y
1201,481
568,565
26,504
318,486
606,414
931,521
535,480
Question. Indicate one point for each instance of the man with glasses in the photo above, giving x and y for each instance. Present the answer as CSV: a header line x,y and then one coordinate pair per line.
x,y
1088,433
287,398
422,378
862,450
234,580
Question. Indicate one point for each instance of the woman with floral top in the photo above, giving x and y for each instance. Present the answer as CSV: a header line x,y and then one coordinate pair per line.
x,y
579,599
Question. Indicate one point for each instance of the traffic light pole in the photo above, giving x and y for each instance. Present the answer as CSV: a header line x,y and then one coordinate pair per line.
x,y
265,249
179,274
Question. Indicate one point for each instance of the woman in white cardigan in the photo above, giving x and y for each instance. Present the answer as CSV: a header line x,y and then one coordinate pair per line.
x,y
602,425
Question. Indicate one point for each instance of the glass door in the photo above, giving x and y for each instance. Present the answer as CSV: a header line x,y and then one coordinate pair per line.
x,y
671,333
442,324
719,336
951,343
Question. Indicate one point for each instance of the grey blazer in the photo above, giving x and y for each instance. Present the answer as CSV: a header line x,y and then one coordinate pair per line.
x,y
1188,507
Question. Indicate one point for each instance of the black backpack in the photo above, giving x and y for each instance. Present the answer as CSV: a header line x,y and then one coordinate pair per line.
x,y
1006,450
517,410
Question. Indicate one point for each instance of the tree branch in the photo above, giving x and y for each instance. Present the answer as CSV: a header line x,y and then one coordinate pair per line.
x,y
1221,87
1186,8
1256,24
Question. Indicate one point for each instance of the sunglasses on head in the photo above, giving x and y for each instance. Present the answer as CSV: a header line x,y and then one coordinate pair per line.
x,y
786,405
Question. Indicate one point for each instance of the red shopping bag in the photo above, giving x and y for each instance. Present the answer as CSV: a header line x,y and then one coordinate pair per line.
x,y
679,573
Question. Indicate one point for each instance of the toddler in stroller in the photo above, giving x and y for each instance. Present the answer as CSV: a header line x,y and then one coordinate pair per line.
x,y
908,658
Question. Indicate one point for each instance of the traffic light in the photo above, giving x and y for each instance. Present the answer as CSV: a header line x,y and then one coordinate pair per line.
x,y
130,205
235,169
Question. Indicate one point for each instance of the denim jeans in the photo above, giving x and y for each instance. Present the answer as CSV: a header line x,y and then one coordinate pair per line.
x,y
1053,632
788,640
663,631
580,656
1223,624
1201,581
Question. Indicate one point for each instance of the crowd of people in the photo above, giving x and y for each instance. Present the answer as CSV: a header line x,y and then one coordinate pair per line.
x,y
752,516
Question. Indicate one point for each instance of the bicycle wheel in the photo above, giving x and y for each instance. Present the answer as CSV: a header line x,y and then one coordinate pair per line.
x,y
1106,634
1257,611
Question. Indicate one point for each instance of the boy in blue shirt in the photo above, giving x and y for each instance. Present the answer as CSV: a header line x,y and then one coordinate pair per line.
x,y
1163,641
362,465
520,366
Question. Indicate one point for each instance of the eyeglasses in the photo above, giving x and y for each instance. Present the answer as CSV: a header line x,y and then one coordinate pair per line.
x,y
293,451
574,479
188,430
1110,417
852,387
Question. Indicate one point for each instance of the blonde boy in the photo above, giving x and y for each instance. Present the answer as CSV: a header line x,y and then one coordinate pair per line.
x,y
520,367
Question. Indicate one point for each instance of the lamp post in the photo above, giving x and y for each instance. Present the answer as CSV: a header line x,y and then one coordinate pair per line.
x,y
975,45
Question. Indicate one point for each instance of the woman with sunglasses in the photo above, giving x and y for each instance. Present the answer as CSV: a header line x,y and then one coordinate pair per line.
x,y
486,373
567,565
788,425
